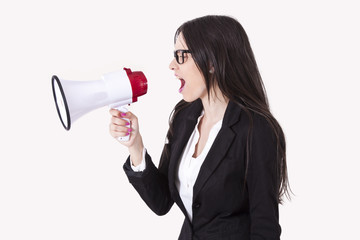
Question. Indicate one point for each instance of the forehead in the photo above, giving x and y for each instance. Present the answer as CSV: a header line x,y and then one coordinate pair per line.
x,y
180,42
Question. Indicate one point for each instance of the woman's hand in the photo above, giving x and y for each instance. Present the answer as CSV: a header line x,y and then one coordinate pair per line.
x,y
120,128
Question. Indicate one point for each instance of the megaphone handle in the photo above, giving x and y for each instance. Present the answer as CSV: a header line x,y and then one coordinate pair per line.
x,y
124,110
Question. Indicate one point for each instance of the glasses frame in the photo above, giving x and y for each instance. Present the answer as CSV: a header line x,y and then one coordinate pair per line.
x,y
182,51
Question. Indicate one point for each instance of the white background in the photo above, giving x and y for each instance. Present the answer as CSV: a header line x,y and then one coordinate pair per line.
x,y
56,184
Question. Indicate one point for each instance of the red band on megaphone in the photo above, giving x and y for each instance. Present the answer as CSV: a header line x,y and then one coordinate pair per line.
x,y
138,83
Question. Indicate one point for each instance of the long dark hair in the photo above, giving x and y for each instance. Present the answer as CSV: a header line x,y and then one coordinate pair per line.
x,y
221,43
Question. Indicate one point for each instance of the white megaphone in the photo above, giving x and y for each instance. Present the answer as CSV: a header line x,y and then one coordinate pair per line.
x,y
116,90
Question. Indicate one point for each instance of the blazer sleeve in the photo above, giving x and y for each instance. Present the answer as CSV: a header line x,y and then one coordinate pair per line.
x,y
262,183
152,185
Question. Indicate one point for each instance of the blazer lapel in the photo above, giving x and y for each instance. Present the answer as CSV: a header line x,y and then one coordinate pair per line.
x,y
186,127
219,148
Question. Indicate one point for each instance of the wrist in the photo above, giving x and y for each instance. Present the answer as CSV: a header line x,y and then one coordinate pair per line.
x,y
136,153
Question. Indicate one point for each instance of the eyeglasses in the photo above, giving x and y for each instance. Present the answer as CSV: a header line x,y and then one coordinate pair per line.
x,y
180,55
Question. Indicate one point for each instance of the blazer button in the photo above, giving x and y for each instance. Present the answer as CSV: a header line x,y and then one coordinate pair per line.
x,y
197,205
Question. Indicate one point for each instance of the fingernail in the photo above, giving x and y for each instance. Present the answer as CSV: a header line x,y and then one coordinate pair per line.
x,y
129,130
127,134
123,114
127,123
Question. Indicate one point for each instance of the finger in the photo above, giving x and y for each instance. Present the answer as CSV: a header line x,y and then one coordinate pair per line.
x,y
117,134
115,112
129,115
119,121
120,129
132,117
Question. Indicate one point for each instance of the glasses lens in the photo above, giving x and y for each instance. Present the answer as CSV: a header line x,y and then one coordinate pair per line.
x,y
179,56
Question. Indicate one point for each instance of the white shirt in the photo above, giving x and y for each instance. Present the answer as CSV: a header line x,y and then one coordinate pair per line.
x,y
189,167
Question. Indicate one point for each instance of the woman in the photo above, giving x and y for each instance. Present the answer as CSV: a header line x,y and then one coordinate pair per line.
x,y
224,162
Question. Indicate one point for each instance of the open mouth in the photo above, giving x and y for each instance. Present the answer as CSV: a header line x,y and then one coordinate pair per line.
x,y
182,85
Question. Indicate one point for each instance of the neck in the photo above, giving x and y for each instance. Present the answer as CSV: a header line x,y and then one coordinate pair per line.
x,y
214,107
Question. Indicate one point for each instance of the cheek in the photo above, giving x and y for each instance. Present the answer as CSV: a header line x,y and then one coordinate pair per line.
x,y
200,85
195,88
197,78
195,81
199,82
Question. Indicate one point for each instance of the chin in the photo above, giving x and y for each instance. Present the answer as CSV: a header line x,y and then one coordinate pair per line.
x,y
189,99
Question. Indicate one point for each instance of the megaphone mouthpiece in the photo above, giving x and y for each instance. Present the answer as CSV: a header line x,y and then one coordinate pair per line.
x,y
138,83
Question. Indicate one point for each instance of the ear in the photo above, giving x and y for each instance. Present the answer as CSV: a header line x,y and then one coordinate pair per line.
x,y
211,70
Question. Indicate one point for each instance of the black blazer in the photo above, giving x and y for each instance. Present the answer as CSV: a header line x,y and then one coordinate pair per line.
x,y
225,206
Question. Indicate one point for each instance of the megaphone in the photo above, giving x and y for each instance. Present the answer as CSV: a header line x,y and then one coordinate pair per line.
x,y
117,89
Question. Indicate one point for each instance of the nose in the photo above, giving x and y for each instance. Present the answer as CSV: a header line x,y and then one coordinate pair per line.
x,y
173,64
